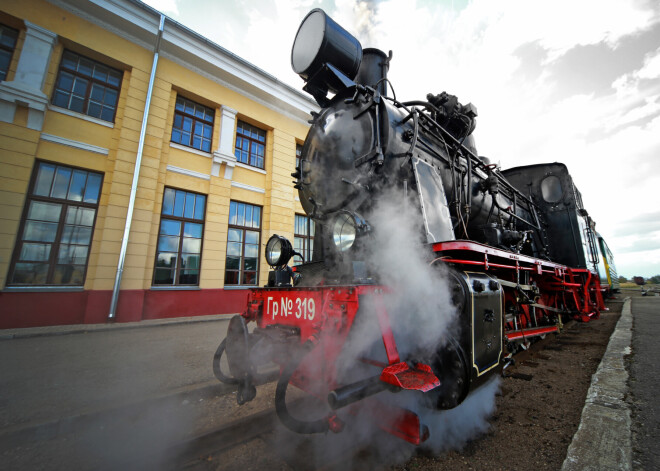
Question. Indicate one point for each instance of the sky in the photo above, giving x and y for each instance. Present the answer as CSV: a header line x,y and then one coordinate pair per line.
x,y
566,81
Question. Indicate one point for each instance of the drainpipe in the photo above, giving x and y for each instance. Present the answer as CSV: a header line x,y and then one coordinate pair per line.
x,y
136,176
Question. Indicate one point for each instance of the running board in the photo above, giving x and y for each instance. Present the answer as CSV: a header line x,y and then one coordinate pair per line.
x,y
533,332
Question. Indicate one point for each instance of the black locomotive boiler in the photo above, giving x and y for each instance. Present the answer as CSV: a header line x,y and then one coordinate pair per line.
x,y
510,254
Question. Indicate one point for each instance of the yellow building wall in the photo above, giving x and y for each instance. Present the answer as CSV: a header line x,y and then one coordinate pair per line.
x,y
20,146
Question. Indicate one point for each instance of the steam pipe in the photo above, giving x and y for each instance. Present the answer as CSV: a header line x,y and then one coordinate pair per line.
x,y
136,175
351,393
452,139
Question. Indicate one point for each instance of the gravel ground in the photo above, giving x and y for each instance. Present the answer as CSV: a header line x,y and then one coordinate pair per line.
x,y
538,410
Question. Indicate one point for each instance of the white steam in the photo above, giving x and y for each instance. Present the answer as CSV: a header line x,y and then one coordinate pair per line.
x,y
422,316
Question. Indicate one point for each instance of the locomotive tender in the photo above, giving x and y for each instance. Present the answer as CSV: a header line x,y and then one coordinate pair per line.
x,y
514,251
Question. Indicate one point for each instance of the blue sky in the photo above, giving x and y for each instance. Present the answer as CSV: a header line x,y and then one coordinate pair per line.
x,y
567,81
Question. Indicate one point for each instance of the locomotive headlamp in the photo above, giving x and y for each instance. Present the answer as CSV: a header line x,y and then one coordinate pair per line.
x,y
278,251
347,227
324,54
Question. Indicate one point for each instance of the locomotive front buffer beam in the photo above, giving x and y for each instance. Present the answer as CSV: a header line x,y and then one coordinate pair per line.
x,y
304,331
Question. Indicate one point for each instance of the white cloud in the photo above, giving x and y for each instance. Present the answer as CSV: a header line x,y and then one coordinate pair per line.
x,y
165,6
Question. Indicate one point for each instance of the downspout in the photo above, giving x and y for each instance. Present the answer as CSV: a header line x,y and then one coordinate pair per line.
x,y
136,176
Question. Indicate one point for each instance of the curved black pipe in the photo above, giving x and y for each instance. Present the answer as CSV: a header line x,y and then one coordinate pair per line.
x,y
216,365
293,424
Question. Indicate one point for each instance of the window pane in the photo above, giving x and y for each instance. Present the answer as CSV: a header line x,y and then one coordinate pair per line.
x,y
94,110
61,185
92,189
30,273
168,202
200,201
231,277
166,259
80,216
76,235
250,278
77,185
190,261
107,114
232,213
85,67
235,235
190,206
100,73
179,201
256,217
73,254
251,251
251,237
70,60
69,274
191,245
80,87
114,78
35,252
163,276
77,104
168,244
44,211
240,214
234,249
189,277
192,230
248,215
40,231
61,99
110,97
97,93
65,82
233,263
169,227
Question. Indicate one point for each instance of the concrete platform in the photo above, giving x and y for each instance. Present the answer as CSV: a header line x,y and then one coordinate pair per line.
x,y
603,439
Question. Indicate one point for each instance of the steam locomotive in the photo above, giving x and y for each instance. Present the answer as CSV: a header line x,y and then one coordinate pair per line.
x,y
506,256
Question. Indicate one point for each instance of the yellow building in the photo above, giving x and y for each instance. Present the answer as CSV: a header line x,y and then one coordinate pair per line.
x,y
142,167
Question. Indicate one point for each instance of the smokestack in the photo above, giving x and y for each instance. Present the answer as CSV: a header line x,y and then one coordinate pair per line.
x,y
373,69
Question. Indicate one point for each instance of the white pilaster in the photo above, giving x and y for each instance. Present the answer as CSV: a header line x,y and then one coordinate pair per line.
x,y
225,152
26,88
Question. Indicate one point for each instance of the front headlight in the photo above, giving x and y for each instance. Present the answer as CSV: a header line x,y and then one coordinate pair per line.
x,y
347,227
278,251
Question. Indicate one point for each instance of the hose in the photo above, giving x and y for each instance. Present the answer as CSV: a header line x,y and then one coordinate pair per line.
x,y
293,424
216,365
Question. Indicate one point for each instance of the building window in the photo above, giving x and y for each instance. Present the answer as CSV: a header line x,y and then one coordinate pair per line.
x,y
179,249
8,37
250,145
243,244
298,155
57,226
303,238
193,124
86,86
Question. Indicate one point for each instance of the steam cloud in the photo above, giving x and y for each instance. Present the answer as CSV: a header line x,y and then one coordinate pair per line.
x,y
422,316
